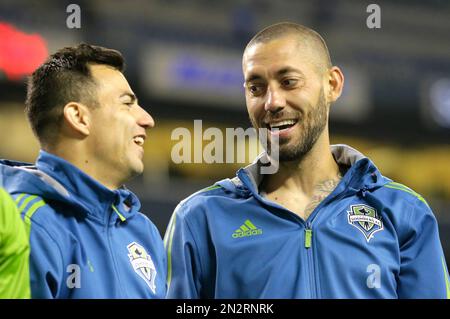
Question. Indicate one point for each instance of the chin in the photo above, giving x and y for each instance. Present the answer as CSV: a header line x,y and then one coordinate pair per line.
x,y
136,168
139,170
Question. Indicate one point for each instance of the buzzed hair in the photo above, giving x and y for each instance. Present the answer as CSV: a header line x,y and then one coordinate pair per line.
x,y
306,37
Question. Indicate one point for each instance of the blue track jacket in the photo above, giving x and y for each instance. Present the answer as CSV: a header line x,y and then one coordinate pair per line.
x,y
370,238
86,240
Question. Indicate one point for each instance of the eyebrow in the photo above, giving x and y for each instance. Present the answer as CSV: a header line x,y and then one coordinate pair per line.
x,y
281,72
130,95
253,78
289,69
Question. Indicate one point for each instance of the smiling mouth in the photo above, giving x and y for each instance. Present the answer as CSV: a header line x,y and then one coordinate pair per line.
x,y
139,140
281,125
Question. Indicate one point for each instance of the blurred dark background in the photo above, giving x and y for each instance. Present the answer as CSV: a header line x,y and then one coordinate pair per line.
x,y
184,63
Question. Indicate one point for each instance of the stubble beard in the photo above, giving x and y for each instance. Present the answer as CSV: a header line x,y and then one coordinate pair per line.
x,y
311,128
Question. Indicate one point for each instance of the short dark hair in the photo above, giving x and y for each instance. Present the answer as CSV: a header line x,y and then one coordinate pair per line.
x,y
64,77
306,36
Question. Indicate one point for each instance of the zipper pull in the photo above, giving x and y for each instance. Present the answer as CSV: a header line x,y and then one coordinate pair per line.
x,y
118,214
362,192
308,237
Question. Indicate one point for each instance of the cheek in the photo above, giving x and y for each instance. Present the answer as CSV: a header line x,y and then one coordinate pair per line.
x,y
301,101
117,133
255,108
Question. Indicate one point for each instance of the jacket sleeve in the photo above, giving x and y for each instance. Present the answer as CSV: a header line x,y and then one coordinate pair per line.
x,y
160,260
184,270
423,270
14,251
46,264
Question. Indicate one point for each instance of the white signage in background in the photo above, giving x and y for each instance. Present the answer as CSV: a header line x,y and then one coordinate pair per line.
x,y
190,73
355,103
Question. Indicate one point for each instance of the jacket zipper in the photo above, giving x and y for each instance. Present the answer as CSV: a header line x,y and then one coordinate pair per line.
x,y
310,257
116,272
309,242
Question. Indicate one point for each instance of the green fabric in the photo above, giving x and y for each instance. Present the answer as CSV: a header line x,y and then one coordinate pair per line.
x,y
169,250
210,188
29,214
14,251
117,212
308,238
447,282
402,187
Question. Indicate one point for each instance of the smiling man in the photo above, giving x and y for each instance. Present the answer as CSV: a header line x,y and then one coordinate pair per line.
x,y
87,236
327,224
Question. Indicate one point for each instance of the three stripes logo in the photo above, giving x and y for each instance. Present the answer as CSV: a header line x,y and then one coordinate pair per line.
x,y
247,229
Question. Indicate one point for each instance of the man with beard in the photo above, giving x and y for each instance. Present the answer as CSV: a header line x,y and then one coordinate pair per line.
x,y
327,224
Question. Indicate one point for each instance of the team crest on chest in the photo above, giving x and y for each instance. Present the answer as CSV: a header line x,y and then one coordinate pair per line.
x,y
366,219
142,264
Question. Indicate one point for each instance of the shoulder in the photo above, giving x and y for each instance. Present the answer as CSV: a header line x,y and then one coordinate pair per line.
x,y
404,206
12,232
42,224
40,215
202,199
6,202
8,209
401,192
31,206
144,221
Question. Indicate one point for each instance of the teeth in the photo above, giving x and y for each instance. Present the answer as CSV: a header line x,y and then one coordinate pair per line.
x,y
282,123
139,140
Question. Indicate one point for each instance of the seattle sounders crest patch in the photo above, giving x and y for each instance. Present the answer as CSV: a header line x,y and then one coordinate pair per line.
x,y
366,219
142,264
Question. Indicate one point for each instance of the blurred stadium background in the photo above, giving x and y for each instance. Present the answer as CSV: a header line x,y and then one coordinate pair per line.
x,y
184,62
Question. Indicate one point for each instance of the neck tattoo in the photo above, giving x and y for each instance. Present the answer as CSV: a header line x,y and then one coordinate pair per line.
x,y
321,191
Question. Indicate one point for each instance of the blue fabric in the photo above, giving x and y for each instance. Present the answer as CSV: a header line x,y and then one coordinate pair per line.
x,y
209,258
80,247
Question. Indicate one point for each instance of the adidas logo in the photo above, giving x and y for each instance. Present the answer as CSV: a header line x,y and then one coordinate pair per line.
x,y
247,229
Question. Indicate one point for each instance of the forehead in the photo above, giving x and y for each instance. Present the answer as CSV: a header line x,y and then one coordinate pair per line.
x,y
286,52
109,78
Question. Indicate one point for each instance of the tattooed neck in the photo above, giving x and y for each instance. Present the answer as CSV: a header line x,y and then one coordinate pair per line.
x,y
321,191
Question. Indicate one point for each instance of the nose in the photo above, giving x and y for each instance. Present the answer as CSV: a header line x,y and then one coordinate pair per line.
x,y
275,101
145,119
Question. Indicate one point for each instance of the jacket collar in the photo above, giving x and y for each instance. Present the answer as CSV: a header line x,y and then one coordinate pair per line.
x,y
81,189
362,175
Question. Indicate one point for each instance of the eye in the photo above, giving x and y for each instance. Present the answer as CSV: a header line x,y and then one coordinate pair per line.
x,y
255,89
289,83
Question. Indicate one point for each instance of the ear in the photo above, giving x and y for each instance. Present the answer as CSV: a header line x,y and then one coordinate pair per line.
x,y
335,83
78,117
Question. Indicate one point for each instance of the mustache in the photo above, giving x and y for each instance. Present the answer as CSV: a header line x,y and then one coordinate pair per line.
x,y
269,117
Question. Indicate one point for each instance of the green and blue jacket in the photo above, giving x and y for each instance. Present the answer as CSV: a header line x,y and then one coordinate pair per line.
x,y
370,238
86,241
